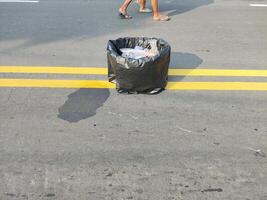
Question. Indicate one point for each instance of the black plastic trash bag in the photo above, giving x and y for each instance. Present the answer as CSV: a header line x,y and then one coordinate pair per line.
x,y
146,74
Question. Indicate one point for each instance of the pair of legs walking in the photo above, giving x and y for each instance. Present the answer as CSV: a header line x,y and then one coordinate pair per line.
x,y
155,8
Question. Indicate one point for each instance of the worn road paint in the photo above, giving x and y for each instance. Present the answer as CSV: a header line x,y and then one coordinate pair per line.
x,y
17,1
258,5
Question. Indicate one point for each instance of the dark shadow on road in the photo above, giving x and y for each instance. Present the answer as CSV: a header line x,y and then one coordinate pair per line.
x,y
182,60
176,7
83,104
56,20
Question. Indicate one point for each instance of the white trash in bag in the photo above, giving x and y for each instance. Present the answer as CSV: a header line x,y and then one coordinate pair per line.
x,y
140,52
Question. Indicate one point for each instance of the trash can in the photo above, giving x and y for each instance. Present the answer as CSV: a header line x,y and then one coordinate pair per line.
x,y
144,74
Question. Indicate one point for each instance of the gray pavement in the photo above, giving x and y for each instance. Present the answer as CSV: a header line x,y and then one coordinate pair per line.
x,y
96,144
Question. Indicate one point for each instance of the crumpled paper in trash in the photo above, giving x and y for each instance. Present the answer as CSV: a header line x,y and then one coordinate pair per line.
x,y
140,52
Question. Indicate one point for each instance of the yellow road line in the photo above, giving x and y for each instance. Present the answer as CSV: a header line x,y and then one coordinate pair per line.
x,y
253,86
43,83
52,70
103,71
217,72
55,83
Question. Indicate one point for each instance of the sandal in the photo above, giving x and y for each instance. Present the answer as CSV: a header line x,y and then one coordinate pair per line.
x,y
124,16
162,18
146,10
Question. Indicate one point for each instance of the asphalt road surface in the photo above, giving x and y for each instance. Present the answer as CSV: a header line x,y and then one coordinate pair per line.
x,y
93,144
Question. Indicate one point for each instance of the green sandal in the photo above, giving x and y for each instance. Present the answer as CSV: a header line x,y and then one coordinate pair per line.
x,y
146,10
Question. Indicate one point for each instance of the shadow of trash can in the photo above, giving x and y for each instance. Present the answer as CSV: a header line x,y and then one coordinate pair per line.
x,y
142,75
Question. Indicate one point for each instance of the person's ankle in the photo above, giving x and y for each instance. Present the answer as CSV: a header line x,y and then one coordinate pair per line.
x,y
156,15
122,10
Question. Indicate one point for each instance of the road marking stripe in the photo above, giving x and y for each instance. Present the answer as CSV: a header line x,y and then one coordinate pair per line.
x,y
17,1
43,83
53,70
103,71
258,5
55,83
253,86
217,72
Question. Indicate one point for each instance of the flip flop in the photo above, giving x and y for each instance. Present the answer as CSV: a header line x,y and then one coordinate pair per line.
x,y
146,10
162,18
124,16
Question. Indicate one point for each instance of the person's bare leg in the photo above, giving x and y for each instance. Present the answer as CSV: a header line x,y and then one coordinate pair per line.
x,y
143,8
142,4
156,14
124,6
155,7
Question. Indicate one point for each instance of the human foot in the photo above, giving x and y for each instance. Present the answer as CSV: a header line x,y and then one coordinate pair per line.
x,y
145,10
161,18
123,14
142,5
